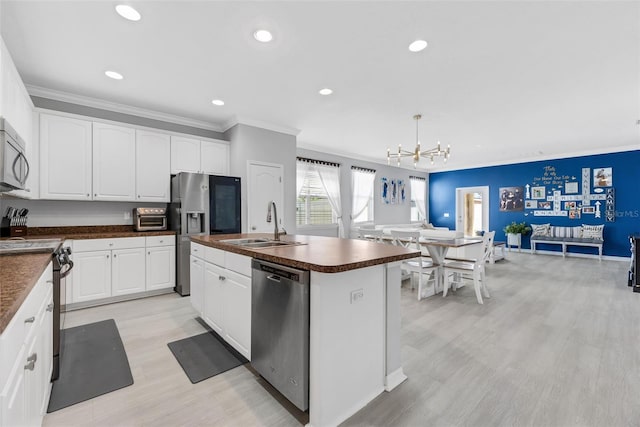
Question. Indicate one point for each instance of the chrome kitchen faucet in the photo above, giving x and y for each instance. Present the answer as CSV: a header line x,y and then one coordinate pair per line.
x,y
276,231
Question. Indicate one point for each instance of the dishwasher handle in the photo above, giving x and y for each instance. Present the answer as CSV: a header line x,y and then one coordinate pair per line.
x,y
274,278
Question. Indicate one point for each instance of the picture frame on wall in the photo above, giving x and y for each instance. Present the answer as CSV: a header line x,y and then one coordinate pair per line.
x,y
531,204
538,192
588,209
511,199
385,190
603,177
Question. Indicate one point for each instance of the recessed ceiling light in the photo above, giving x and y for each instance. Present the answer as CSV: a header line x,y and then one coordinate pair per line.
x,y
218,102
263,36
325,91
128,12
417,45
114,75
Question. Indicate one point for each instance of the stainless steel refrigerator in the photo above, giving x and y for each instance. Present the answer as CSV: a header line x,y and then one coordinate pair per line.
x,y
188,216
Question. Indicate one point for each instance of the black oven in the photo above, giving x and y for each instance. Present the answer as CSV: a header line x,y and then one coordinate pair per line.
x,y
62,265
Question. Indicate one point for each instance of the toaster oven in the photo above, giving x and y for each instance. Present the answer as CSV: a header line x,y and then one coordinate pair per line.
x,y
149,219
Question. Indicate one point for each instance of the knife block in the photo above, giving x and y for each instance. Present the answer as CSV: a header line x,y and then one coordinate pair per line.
x,y
8,230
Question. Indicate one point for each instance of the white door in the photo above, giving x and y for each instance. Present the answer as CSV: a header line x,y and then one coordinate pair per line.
x,y
214,158
91,275
161,267
185,155
212,312
265,184
237,313
196,274
472,210
128,271
153,167
65,158
114,162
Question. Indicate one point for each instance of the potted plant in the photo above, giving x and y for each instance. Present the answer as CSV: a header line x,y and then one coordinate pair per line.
x,y
514,232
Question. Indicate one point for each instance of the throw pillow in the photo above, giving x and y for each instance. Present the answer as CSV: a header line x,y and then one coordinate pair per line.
x,y
428,226
576,231
540,230
592,231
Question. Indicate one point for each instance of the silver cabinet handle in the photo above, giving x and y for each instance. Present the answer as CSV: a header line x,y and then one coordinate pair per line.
x,y
138,196
49,281
114,255
31,362
95,195
161,241
149,252
50,307
222,278
253,228
110,244
30,319
107,256
88,194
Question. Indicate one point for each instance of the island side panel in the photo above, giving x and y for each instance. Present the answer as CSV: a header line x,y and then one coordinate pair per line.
x,y
346,343
393,363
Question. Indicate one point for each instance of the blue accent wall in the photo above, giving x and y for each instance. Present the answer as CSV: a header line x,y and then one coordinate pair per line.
x,y
625,181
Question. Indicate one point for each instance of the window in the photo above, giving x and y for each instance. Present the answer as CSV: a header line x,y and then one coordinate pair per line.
x,y
317,184
418,198
362,190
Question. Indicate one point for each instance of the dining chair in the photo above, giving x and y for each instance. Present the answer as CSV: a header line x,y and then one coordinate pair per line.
x,y
371,234
472,269
421,265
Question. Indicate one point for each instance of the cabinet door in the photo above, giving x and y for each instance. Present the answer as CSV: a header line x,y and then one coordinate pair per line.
x,y
161,267
46,333
212,311
237,313
196,275
127,271
114,162
185,155
153,166
13,396
214,158
91,275
32,387
65,158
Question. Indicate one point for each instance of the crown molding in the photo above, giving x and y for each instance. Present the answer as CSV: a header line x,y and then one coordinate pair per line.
x,y
238,120
87,101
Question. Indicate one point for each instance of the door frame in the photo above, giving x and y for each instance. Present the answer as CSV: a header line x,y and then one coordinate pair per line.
x,y
251,163
460,192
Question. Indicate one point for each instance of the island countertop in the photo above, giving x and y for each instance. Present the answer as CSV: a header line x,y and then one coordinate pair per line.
x,y
316,253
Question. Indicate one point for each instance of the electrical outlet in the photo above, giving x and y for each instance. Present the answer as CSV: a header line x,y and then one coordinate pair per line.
x,y
446,214
127,215
357,295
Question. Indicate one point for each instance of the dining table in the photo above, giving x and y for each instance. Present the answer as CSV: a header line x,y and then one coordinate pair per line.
x,y
438,249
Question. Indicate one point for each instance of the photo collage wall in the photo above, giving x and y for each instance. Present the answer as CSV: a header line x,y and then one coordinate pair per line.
x,y
556,194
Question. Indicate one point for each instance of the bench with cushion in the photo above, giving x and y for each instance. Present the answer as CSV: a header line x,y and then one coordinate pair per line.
x,y
584,235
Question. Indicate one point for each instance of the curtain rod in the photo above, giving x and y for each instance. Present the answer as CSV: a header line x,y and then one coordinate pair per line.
x,y
318,162
418,178
360,168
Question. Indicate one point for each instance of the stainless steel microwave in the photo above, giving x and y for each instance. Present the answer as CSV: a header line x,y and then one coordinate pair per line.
x,y
14,167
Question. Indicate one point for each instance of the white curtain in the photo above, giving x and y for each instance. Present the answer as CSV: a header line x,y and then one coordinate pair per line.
x,y
362,189
302,168
419,194
330,179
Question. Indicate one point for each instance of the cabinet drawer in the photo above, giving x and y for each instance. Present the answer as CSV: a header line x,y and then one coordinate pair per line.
x,y
153,241
238,263
197,250
108,244
214,256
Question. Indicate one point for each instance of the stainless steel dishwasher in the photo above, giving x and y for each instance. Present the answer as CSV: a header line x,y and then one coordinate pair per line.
x,y
280,328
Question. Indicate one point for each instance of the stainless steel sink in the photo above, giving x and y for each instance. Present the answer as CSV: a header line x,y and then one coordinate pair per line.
x,y
259,243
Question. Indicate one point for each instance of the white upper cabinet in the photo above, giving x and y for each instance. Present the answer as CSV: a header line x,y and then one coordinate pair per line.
x,y
153,167
15,103
193,155
214,158
65,158
185,155
114,162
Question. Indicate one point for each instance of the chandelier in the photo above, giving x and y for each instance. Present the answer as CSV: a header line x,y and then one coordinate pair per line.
x,y
417,153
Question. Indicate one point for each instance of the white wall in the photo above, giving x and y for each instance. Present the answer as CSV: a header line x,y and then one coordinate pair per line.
x,y
382,213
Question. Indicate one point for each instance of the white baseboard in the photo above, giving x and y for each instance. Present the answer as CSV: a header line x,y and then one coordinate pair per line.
x,y
577,255
394,379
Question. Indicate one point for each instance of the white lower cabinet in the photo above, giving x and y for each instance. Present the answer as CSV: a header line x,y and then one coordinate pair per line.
x,y
106,268
26,353
221,294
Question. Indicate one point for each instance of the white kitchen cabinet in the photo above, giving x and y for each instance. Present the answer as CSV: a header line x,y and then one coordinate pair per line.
x,y
127,271
226,296
15,104
196,156
153,166
91,275
26,355
213,309
114,162
196,279
161,267
214,158
185,155
65,158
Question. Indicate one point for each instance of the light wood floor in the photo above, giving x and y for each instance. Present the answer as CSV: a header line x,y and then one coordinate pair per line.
x,y
558,344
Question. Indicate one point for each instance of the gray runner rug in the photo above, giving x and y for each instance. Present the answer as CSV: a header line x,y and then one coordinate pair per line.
x,y
92,362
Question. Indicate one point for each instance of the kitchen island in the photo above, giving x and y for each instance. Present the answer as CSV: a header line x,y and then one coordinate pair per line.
x,y
354,319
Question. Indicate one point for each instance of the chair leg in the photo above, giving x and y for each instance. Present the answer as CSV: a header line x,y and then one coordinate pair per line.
x,y
476,285
419,285
445,285
483,283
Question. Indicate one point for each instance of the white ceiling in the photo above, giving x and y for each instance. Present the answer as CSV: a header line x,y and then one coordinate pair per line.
x,y
500,81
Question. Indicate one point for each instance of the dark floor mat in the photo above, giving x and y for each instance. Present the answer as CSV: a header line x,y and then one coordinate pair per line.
x,y
204,356
92,362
